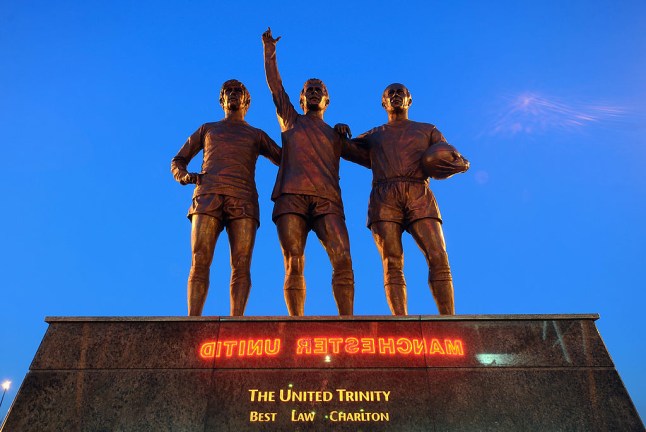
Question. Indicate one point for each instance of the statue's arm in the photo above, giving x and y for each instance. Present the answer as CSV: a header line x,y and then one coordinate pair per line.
x,y
459,164
354,150
436,136
179,164
284,109
269,148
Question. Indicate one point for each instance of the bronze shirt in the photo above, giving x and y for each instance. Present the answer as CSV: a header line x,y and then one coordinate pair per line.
x,y
231,149
311,152
397,148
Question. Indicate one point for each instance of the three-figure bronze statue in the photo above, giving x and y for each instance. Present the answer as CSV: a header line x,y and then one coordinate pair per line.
x,y
401,153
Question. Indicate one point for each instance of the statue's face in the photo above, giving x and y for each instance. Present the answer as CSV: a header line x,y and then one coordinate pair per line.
x,y
234,98
314,96
396,97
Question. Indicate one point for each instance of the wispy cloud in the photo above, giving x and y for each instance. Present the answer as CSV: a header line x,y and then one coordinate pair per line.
x,y
534,113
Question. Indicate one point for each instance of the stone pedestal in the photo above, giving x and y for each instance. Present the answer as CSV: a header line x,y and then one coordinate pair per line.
x,y
416,373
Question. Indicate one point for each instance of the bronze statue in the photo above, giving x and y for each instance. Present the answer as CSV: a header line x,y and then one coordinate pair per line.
x,y
403,154
225,195
307,194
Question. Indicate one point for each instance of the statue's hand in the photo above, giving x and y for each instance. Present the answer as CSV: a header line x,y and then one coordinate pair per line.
x,y
267,37
189,178
343,130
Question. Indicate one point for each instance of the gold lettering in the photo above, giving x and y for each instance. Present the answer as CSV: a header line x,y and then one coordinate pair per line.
x,y
285,395
262,396
253,394
255,416
339,416
301,417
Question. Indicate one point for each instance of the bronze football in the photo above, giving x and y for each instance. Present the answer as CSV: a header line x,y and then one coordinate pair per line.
x,y
442,160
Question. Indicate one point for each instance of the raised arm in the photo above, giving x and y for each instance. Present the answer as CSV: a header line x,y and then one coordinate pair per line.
x,y
271,67
179,164
284,108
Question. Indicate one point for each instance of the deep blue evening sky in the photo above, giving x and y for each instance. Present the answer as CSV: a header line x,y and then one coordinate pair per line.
x,y
545,98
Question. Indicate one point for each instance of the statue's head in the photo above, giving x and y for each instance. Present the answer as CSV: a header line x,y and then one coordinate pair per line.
x,y
234,96
396,98
314,96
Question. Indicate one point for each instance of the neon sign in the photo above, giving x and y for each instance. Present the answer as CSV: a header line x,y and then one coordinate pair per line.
x,y
381,346
241,348
321,345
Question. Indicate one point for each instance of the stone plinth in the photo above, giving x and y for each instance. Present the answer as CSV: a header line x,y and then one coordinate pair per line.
x,y
416,373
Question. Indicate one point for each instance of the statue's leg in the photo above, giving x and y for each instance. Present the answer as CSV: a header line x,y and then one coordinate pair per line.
x,y
292,234
428,235
388,238
333,234
205,230
242,236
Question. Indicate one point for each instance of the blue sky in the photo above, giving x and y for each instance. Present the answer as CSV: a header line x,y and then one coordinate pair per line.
x,y
546,99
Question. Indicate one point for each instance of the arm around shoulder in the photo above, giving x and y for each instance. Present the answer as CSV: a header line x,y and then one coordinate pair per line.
x,y
269,148
355,151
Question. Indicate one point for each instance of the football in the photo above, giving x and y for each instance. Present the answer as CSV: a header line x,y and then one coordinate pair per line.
x,y
442,160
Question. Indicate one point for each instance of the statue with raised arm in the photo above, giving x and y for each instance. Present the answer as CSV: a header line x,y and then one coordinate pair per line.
x,y
403,155
307,194
225,195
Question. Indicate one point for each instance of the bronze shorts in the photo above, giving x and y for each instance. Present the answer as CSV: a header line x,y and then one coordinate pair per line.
x,y
308,206
402,202
224,207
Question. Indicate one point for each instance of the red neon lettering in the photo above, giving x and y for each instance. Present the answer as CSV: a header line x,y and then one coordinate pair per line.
x,y
241,346
419,346
325,345
272,349
436,347
404,346
320,347
229,346
207,350
454,348
352,345
336,344
304,346
254,347
386,345
368,345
